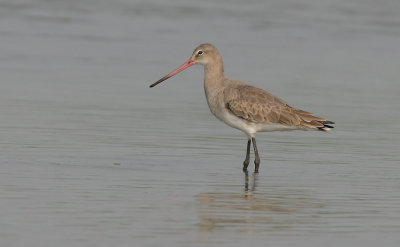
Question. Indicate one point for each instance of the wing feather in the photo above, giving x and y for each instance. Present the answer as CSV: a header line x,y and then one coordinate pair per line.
x,y
259,106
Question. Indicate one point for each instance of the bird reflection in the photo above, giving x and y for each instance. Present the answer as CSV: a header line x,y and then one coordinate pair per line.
x,y
252,182
249,210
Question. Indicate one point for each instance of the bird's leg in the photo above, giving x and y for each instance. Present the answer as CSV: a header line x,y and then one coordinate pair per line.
x,y
257,159
247,160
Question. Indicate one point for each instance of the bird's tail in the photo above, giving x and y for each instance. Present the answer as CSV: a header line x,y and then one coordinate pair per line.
x,y
327,126
311,121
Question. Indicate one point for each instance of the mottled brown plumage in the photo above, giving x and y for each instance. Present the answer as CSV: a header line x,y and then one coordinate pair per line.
x,y
259,106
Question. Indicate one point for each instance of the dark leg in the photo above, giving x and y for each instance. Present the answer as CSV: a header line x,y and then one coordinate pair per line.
x,y
257,159
247,160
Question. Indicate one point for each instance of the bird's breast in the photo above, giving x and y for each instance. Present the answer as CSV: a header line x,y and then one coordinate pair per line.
x,y
215,102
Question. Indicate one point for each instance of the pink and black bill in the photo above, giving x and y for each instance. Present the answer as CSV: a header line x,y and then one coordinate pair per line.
x,y
184,66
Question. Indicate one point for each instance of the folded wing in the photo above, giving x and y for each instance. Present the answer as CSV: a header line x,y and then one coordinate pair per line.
x,y
259,106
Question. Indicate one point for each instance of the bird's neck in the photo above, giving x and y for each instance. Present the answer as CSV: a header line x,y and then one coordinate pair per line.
x,y
214,74
213,84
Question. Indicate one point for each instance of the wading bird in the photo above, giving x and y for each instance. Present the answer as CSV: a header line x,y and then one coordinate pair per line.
x,y
245,107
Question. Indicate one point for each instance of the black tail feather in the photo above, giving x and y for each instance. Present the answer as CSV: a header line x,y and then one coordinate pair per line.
x,y
326,125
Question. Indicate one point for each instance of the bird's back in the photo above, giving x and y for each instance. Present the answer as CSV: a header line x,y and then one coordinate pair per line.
x,y
258,106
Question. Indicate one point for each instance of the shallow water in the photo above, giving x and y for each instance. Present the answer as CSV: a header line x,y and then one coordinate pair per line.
x,y
90,156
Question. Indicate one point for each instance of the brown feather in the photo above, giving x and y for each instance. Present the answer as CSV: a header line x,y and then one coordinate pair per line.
x,y
259,106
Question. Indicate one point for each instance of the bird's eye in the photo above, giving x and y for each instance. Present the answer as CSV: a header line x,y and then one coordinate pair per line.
x,y
200,52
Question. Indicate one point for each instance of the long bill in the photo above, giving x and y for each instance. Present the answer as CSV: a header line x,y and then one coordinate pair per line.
x,y
186,65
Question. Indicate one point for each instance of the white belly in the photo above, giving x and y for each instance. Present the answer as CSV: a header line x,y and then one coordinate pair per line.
x,y
249,128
